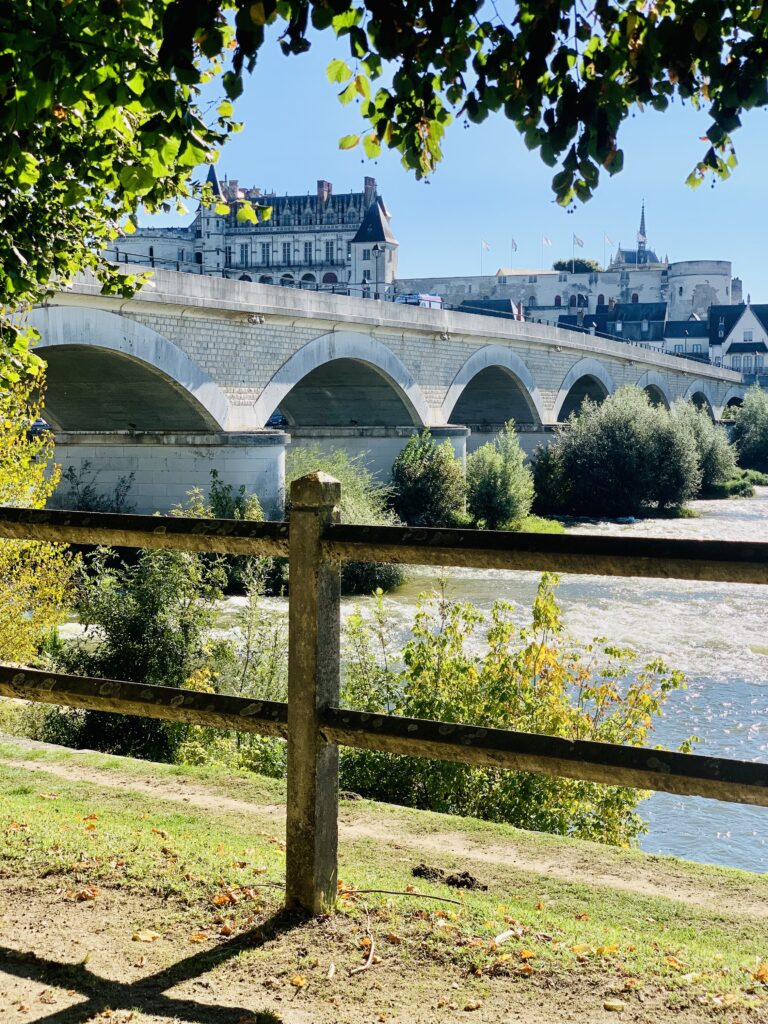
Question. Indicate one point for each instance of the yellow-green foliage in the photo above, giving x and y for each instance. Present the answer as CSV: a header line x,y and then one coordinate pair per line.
x,y
34,578
532,679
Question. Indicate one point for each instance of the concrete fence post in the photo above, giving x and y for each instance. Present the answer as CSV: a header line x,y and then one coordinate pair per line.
x,y
313,683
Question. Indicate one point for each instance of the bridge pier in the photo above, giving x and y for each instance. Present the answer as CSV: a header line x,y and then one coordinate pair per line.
x,y
166,465
379,446
530,435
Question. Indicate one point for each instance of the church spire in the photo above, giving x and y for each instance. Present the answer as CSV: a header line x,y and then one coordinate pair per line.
x,y
641,236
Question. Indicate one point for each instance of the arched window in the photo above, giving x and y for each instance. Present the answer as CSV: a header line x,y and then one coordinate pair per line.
x,y
152,255
582,301
531,301
601,299
635,297
558,301
572,302
330,278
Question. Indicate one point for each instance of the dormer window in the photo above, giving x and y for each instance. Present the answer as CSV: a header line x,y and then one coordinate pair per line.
x,y
747,335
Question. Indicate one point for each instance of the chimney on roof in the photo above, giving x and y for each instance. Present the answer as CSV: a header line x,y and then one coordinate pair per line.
x,y
324,190
369,191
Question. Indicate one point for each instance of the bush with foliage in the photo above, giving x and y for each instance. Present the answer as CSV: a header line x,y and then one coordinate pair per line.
x,y
428,485
533,679
251,661
717,457
617,458
750,430
34,578
226,502
81,492
363,500
499,484
145,622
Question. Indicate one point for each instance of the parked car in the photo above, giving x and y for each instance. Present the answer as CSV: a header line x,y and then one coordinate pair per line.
x,y
419,299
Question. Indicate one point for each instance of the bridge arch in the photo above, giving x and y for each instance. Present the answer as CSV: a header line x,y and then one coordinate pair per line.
x,y
701,395
734,398
109,372
656,388
494,381
344,378
587,378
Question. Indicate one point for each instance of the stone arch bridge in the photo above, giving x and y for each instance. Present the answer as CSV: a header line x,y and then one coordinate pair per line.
x,y
198,372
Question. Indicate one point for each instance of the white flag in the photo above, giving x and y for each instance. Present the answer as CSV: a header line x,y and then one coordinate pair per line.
x,y
546,241
578,241
514,245
610,241
486,247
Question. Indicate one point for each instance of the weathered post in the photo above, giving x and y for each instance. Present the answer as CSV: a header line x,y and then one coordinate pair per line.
x,y
313,683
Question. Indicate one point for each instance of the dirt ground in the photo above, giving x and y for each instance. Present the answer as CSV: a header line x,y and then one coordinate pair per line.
x,y
70,962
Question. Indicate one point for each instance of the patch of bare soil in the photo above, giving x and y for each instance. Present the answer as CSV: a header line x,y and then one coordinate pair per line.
x,y
69,962
648,876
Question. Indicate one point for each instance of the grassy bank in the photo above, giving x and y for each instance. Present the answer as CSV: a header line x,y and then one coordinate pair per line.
x,y
192,860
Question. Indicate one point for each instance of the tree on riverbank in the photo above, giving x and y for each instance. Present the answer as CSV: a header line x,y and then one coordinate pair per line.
x,y
34,578
750,430
499,484
617,458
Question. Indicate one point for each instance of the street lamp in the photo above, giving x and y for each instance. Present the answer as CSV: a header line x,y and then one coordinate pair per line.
x,y
378,251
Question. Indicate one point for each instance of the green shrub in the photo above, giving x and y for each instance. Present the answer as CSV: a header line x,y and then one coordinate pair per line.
x,y
225,502
717,457
499,484
251,661
617,459
144,622
82,493
363,501
428,483
750,431
533,679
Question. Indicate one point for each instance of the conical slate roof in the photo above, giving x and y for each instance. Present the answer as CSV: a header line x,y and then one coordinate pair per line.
x,y
375,226
213,181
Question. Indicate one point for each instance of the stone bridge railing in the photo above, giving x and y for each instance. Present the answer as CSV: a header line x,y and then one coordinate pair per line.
x,y
313,723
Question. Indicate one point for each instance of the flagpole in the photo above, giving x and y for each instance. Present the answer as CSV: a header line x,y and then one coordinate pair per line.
x,y
481,259
573,253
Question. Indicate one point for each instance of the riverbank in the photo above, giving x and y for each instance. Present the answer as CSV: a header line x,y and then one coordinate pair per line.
x,y
155,890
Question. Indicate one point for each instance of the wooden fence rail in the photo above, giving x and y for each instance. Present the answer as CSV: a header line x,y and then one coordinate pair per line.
x,y
313,723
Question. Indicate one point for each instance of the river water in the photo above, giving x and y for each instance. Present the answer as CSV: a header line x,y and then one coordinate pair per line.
x,y
715,633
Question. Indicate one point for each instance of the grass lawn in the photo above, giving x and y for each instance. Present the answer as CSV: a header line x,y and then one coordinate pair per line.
x,y
143,892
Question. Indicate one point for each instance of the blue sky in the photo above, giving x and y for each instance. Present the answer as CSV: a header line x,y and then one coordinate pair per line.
x,y
490,187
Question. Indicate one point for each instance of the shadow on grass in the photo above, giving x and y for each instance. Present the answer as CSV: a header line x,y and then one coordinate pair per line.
x,y
148,995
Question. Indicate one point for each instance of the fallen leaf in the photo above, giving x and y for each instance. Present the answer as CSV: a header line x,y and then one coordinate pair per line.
x,y
365,942
526,954
91,817
331,969
673,962
199,937
582,917
396,940
761,974
145,935
614,1005
239,864
526,970
222,899
607,950
48,796
581,948
260,871
540,905
18,826
299,981
226,929
473,1004
90,827
90,892
160,832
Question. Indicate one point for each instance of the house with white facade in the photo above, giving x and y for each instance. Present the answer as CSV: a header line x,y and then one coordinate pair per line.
x,y
738,337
